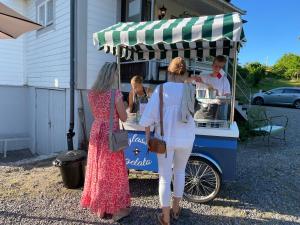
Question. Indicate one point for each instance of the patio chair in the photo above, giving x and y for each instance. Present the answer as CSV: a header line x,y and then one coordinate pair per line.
x,y
260,124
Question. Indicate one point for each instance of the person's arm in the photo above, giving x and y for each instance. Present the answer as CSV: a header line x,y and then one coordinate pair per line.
x,y
149,91
193,78
121,109
130,101
227,90
198,79
151,112
147,132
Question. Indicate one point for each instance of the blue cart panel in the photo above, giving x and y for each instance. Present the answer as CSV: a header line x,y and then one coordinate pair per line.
x,y
137,156
221,151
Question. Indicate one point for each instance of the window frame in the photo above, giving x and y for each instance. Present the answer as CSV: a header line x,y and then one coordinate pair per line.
x,y
49,23
45,23
39,12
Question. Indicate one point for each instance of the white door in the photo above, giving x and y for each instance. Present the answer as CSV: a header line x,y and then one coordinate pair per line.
x,y
50,121
58,120
43,122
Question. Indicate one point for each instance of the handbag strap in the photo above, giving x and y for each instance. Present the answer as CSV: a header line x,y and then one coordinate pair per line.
x,y
111,112
161,106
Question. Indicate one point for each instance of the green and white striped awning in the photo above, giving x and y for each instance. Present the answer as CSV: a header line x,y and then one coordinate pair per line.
x,y
195,37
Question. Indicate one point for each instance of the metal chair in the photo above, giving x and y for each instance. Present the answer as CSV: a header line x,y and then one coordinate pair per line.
x,y
260,124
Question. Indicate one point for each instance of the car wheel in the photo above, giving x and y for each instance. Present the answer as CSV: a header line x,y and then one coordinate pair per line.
x,y
258,101
202,181
297,104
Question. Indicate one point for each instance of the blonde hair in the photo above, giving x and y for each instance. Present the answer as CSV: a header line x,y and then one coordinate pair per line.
x,y
177,66
220,58
137,79
106,77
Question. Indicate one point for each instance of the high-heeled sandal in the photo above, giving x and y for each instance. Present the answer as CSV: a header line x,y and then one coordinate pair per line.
x,y
176,215
160,220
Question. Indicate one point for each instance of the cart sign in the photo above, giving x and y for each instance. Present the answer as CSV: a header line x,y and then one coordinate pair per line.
x,y
137,156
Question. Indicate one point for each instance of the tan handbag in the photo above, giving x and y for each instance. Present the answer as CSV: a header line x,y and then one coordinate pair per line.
x,y
157,145
118,140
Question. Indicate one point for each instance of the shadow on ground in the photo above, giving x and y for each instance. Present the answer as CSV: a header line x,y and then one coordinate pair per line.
x,y
143,215
16,155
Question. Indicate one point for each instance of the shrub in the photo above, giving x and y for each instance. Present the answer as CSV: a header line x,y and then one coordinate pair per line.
x,y
256,72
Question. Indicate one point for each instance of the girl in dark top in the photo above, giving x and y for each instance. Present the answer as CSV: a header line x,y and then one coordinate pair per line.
x,y
138,91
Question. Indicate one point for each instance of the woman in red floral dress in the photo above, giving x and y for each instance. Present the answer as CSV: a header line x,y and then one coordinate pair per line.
x,y
106,187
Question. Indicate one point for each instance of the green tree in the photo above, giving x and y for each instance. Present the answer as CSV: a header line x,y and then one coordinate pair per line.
x,y
256,72
242,71
288,66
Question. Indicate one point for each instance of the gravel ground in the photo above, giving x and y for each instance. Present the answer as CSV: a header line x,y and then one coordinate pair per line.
x,y
266,191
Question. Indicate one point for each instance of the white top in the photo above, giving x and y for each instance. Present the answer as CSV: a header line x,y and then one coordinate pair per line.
x,y
221,84
176,133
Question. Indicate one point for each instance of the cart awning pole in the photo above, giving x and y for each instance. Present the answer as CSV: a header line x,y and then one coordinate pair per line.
x,y
233,84
119,66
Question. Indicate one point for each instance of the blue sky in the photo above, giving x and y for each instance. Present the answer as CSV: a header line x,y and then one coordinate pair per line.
x,y
273,29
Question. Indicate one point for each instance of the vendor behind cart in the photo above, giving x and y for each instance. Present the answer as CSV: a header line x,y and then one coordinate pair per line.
x,y
214,108
137,94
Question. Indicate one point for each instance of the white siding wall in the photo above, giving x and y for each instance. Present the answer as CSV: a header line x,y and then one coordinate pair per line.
x,y
15,115
47,54
101,14
11,53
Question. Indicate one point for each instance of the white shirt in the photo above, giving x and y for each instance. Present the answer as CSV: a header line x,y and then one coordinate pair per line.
x,y
176,133
220,84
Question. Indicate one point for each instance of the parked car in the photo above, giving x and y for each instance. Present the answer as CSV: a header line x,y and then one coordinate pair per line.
x,y
278,96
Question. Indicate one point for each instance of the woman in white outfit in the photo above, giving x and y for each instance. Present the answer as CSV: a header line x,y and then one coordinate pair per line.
x,y
178,135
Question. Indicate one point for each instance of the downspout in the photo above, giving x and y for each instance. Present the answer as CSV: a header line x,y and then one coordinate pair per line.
x,y
152,10
71,132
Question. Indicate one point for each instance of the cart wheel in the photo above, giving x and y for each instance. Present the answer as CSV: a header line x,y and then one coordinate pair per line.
x,y
202,181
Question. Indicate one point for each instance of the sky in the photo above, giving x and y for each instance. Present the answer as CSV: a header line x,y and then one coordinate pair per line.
x,y
273,29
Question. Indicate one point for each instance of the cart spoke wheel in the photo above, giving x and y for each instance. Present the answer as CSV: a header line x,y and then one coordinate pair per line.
x,y
202,181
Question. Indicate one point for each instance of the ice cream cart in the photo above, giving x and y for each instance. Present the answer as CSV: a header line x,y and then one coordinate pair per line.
x,y
213,158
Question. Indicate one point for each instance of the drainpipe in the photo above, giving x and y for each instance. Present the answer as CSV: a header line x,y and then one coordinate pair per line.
x,y
71,132
152,9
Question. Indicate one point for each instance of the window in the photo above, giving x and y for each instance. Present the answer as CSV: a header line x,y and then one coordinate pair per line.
x,y
276,91
291,91
46,13
135,10
49,13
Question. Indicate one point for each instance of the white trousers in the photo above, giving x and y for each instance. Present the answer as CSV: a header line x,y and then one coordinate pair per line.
x,y
177,158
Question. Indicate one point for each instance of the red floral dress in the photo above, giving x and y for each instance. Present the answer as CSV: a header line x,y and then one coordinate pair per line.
x,y
106,187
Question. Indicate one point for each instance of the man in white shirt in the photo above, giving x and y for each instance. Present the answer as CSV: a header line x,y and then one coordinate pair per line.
x,y
217,80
